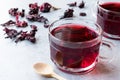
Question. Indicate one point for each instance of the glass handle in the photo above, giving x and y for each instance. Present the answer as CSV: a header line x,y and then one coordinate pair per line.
x,y
107,51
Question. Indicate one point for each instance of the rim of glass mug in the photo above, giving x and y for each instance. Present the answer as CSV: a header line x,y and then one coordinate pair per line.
x,y
106,10
84,22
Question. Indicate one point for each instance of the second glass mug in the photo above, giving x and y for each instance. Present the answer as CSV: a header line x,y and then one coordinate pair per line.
x,y
108,17
75,44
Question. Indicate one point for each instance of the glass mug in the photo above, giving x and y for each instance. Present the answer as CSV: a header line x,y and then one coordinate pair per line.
x,y
108,17
75,44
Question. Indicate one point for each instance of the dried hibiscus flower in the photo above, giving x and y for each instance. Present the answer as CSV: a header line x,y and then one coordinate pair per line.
x,y
15,12
68,13
34,8
28,36
45,7
38,18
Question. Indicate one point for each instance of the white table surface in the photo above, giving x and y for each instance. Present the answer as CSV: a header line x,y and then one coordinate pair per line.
x,y
16,60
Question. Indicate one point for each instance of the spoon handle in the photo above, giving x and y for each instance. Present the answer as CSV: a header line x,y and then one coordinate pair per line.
x,y
58,77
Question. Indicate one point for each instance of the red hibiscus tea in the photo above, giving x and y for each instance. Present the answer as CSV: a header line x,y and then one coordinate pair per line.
x,y
108,17
74,46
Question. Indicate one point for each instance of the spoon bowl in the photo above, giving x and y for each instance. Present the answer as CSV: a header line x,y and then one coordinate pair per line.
x,y
46,70
43,69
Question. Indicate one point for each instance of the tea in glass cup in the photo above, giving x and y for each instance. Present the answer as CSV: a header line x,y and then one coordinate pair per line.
x,y
108,17
75,44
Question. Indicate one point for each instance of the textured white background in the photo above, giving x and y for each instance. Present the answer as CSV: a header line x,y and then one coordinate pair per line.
x,y
16,60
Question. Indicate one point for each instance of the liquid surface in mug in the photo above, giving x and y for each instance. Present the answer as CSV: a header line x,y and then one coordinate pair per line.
x,y
108,17
73,57
112,6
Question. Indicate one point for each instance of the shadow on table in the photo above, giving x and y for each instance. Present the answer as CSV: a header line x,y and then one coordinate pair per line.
x,y
104,68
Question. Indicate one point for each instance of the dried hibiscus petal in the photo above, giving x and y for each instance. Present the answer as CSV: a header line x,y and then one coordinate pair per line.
x,y
42,19
21,37
34,27
32,17
9,23
72,4
33,11
68,13
33,6
33,31
11,33
83,14
46,25
20,23
22,13
82,4
28,36
31,39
